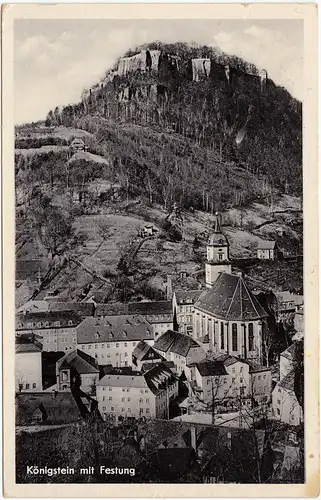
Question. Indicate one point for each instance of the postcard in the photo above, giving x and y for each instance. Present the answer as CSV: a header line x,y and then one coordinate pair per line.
x,y
160,267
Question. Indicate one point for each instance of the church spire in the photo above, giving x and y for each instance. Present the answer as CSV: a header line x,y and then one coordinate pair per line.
x,y
217,224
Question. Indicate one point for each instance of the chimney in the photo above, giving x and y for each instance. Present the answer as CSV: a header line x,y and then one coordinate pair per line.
x,y
169,288
193,438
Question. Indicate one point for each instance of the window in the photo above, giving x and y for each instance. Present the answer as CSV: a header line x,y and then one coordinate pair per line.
x,y
57,323
70,322
128,390
241,380
147,410
34,385
96,346
129,410
108,345
27,386
251,337
234,337
110,398
126,354
83,346
233,370
64,375
141,391
104,408
122,400
89,347
110,388
241,369
222,336
147,400
123,409
125,344
117,344
128,399
103,398
278,411
233,380
279,401
112,409
117,353
259,377
39,325
126,363
141,400
123,389
264,376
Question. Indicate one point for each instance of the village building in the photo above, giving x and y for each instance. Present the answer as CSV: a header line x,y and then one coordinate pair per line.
x,y
218,259
158,313
83,309
261,385
183,309
285,401
232,317
112,339
179,348
267,250
145,394
28,364
287,305
55,329
288,360
144,354
77,369
77,145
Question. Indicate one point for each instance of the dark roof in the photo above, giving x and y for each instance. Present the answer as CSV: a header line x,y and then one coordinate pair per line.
x,y
114,329
150,308
142,308
81,362
81,308
187,296
175,342
228,360
230,298
218,240
290,352
158,377
142,349
47,316
211,368
58,409
288,381
32,346
266,245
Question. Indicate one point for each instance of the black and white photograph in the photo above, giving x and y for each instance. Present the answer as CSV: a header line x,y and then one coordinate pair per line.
x,y
159,278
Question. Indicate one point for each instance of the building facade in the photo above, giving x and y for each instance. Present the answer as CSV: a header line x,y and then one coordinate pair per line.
x,y
183,309
28,365
267,250
56,330
137,395
77,369
112,339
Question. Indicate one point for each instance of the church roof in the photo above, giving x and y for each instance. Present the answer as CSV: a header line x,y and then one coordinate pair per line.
x,y
217,238
230,299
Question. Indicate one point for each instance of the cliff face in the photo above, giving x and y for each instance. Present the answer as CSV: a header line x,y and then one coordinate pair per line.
x,y
220,103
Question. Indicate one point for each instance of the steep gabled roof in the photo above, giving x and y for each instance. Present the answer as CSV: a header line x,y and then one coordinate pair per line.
x,y
266,245
231,299
175,342
187,296
142,350
81,362
113,329
59,408
210,368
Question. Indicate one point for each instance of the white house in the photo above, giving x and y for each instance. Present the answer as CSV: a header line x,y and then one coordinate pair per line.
x,y
137,395
179,348
183,308
112,339
266,250
285,403
28,365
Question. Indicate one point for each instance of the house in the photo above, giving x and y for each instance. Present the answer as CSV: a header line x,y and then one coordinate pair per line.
x,y
286,401
56,329
224,379
179,348
78,145
148,230
28,366
44,408
158,313
144,353
287,304
232,317
136,395
261,384
77,368
183,309
112,339
267,250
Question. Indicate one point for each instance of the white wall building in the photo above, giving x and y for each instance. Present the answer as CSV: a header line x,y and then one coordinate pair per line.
x,y
28,365
137,395
112,339
183,308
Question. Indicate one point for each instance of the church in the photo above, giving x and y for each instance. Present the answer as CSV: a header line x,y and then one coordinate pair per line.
x,y
227,311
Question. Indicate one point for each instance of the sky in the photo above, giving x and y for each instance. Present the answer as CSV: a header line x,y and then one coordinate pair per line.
x,y
54,60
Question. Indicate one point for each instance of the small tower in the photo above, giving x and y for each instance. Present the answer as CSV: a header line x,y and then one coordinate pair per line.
x,y
218,259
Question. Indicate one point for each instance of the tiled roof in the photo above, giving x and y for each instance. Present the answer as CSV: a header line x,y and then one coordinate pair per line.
x,y
114,329
81,308
211,368
158,377
266,245
288,381
130,380
289,297
230,298
290,352
60,408
47,316
187,296
24,347
175,342
227,359
80,361
111,309
143,308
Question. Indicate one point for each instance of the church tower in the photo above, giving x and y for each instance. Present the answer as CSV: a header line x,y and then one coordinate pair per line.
x,y
218,260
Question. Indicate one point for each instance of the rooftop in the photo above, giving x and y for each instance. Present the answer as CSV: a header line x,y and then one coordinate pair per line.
x,y
80,361
143,350
114,328
143,308
175,342
81,308
187,296
45,319
266,245
211,368
24,345
230,298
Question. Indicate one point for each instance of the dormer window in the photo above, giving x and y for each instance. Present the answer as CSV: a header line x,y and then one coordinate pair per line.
x,y
124,334
47,324
97,335
111,335
39,325
57,323
70,322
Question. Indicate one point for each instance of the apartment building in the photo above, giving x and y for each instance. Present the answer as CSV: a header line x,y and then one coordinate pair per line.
x,y
183,308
